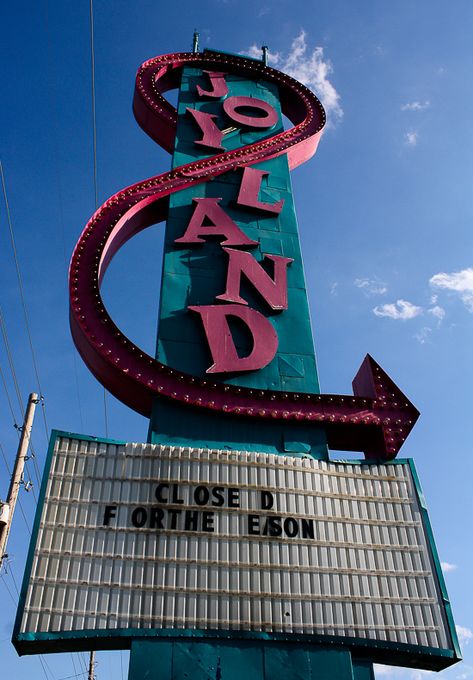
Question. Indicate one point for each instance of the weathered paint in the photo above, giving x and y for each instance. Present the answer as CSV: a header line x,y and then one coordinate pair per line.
x,y
231,660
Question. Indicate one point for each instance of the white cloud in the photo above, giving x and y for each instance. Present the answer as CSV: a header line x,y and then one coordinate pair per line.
x,y
401,309
467,672
310,68
447,566
415,106
396,672
438,312
423,335
464,634
459,282
410,138
334,288
371,286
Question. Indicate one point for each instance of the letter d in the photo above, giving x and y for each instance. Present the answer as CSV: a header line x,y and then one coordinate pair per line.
x,y
267,500
221,345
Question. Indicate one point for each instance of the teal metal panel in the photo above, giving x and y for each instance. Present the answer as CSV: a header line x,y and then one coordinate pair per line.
x,y
296,662
179,425
195,276
151,660
363,670
231,660
436,560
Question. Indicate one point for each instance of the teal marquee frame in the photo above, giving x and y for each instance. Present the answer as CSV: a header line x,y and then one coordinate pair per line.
x,y
364,650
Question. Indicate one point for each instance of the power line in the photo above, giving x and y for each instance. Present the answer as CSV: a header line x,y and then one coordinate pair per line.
x,y
11,363
94,145
10,405
2,576
22,295
52,93
43,666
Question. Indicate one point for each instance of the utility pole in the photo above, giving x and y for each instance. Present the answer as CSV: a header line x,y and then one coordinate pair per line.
x,y
8,507
91,666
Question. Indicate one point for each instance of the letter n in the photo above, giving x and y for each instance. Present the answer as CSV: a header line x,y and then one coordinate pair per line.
x,y
272,290
221,345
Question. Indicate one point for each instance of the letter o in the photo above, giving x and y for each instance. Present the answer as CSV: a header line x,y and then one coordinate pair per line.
x,y
139,517
231,105
201,495
291,527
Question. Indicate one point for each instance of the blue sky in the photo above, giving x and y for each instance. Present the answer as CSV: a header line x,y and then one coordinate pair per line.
x,y
385,213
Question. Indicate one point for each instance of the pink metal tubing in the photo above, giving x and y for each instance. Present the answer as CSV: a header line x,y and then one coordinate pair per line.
x,y
134,377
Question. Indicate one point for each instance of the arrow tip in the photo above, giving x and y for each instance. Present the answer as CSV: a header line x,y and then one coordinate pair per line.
x,y
398,414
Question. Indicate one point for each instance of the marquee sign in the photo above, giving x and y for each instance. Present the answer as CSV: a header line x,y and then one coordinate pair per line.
x,y
139,540
232,524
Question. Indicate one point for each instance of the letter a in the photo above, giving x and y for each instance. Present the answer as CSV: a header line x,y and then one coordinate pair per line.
x,y
221,345
273,291
222,225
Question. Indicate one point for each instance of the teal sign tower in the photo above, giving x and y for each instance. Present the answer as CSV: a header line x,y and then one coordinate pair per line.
x,y
232,244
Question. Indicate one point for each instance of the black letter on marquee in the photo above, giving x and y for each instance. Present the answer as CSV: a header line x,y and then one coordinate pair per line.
x,y
208,521
253,525
175,498
267,500
174,514
190,521
201,495
159,496
307,528
233,498
108,514
156,518
139,517
273,527
217,493
291,527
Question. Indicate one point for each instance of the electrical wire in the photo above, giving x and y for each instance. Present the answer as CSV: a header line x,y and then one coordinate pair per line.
x,y
22,295
11,363
43,666
14,582
28,526
47,665
8,589
94,148
5,387
54,117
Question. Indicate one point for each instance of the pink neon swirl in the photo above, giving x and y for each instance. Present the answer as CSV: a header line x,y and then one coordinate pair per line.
x,y
124,369
129,373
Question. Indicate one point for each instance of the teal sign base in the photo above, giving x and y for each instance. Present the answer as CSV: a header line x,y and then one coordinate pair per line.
x,y
234,660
